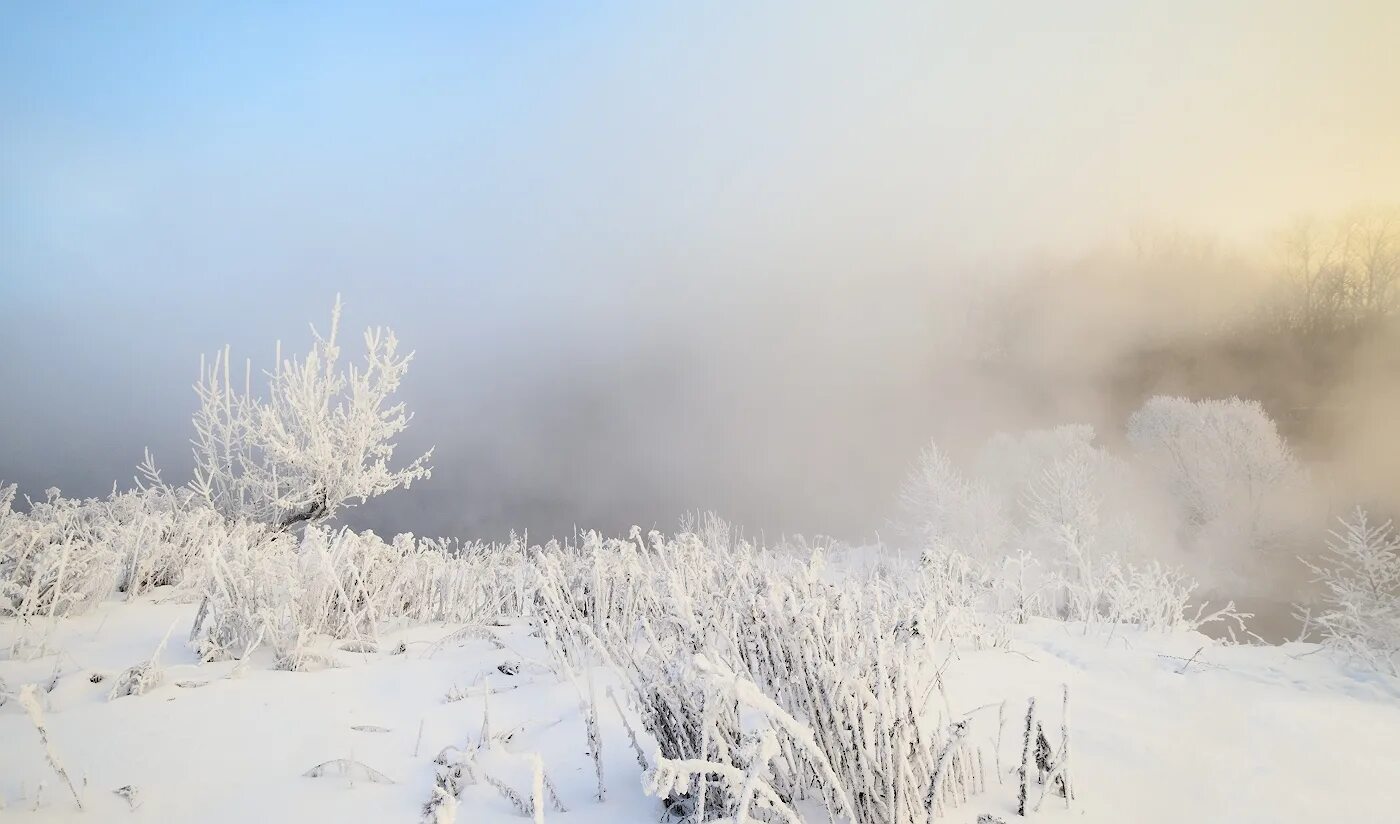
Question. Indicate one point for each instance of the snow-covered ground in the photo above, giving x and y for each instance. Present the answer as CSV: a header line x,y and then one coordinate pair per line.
x,y
1169,728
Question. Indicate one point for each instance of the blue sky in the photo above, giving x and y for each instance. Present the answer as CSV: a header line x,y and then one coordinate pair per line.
x,y
184,125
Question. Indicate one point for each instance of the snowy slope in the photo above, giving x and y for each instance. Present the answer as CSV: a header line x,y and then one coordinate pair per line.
x,y
1164,728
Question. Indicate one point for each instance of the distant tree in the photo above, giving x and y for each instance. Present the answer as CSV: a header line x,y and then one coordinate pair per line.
x,y
1222,461
1374,247
945,511
1061,474
1009,463
1315,269
321,439
1032,490
1340,274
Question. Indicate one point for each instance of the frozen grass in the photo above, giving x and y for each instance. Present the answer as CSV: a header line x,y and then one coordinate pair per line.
x,y
725,650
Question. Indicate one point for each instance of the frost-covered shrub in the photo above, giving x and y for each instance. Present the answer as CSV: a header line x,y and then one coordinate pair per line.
x,y
1235,484
1050,525
159,531
973,601
256,585
57,558
436,579
261,587
249,586
1058,481
1083,542
8,516
1359,611
945,511
1150,595
321,439
1215,456
65,554
724,644
1008,463
980,600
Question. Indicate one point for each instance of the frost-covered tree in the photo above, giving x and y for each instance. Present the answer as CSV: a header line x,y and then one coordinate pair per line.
x,y
1359,612
320,439
1051,523
1063,503
944,510
1009,463
1050,480
1223,463
1065,523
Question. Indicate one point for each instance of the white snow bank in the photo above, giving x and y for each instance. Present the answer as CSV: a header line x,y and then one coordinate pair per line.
x,y
1166,728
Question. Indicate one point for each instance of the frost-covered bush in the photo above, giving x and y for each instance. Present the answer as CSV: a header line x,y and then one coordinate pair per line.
x,y
435,579
945,511
1233,480
1084,542
1059,480
256,585
761,679
1215,456
261,587
1359,611
975,602
250,595
1008,463
1050,524
1208,485
980,600
65,554
321,439
55,558
163,532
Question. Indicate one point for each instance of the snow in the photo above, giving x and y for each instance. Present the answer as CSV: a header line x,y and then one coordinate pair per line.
x,y
1166,727
235,748
1239,734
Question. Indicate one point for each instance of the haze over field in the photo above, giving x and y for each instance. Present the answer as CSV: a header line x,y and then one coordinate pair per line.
x,y
883,413
660,259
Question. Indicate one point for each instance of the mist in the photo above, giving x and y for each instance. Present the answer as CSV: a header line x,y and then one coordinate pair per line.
x,y
663,260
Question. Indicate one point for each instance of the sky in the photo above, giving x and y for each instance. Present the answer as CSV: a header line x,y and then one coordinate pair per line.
x,y
654,257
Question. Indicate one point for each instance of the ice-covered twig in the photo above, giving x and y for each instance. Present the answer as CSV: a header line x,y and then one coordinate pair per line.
x,y
29,699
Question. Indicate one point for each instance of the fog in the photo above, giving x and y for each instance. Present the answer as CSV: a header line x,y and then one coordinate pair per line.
x,y
747,259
